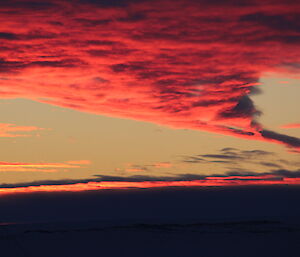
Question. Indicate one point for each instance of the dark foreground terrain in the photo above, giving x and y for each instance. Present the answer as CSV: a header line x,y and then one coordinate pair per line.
x,y
231,222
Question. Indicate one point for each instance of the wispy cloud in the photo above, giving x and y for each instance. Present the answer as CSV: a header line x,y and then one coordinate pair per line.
x,y
291,126
12,130
163,165
236,158
79,162
146,167
136,169
131,59
40,167
229,155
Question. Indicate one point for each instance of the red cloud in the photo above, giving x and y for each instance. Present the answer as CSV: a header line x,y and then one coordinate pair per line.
x,y
206,182
184,64
7,130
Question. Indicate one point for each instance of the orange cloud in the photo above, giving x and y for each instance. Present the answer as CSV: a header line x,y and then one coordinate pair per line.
x,y
195,72
40,167
80,162
7,130
134,169
207,182
163,165
291,125
25,169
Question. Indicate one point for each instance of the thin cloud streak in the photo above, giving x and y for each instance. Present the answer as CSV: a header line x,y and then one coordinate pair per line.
x,y
40,167
12,130
291,126
236,157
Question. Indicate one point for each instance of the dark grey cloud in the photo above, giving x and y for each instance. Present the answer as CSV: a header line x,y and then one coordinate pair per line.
x,y
93,22
285,139
10,66
8,36
228,149
32,35
99,178
34,5
61,63
112,52
270,164
244,108
235,156
213,102
255,90
107,3
287,173
256,152
233,153
279,174
193,159
102,42
291,65
134,17
15,66
131,66
277,22
222,156
239,131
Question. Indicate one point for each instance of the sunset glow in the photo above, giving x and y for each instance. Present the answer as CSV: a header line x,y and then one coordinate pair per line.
x,y
198,81
149,128
99,88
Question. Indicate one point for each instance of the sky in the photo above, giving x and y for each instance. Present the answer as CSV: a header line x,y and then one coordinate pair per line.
x,y
98,94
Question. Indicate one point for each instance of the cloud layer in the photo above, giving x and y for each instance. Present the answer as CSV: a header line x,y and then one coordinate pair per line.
x,y
235,159
277,177
184,64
